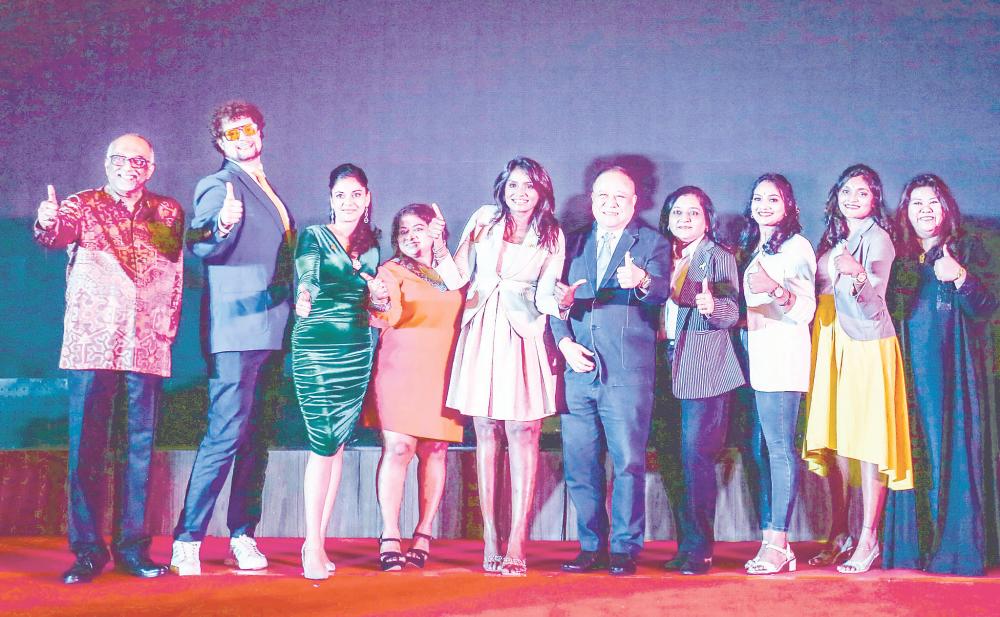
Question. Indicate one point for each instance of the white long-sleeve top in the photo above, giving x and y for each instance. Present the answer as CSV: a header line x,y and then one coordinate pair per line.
x,y
780,345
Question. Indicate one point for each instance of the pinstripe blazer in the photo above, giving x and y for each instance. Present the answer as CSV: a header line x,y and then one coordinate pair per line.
x,y
705,362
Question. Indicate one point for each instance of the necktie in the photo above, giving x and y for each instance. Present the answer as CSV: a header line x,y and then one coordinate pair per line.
x,y
604,251
278,205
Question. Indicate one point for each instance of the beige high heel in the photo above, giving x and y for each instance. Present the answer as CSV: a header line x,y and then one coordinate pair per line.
x,y
837,550
314,572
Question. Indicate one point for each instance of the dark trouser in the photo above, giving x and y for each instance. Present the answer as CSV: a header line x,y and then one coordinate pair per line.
x,y
703,436
229,441
778,413
614,419
91,397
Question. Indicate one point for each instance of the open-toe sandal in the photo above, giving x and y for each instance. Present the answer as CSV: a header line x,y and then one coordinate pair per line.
x,y
390,561
417,556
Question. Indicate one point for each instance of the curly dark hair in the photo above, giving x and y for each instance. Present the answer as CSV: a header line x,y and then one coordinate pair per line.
x,y
834,221
707,207
365,235
544,216
908,243
785,229
231,110
422,211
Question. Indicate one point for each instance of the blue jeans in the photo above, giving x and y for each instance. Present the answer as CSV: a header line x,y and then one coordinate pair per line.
x,y
91,398
615,420
230,441
703,436
778,413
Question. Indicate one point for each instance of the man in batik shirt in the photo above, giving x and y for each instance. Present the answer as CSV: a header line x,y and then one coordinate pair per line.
x,y
123,303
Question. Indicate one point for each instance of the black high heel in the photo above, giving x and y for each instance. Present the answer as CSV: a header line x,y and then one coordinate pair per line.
x,y
390,561
416,556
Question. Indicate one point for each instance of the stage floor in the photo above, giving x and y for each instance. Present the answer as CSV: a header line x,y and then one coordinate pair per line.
x,y
454,584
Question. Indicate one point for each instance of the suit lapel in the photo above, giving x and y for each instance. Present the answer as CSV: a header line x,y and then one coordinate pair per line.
x,y
251,186
590,256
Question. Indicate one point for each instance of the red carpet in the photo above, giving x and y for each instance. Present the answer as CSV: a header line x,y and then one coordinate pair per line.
x,y
453,584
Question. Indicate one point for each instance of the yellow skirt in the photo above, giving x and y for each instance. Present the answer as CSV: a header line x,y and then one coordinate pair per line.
x,y
856,406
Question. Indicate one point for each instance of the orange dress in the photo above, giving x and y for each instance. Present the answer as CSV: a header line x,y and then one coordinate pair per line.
x,y
413,359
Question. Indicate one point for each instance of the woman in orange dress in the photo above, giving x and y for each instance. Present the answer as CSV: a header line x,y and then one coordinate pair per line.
x,y
418,328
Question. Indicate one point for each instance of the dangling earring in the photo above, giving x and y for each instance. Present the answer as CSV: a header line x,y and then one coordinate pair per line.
x,y
366,216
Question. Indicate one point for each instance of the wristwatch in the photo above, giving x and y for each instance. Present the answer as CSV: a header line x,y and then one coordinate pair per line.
x,y
645,283
777,292
861,278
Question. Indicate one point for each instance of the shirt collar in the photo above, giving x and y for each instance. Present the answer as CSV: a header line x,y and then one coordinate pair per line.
x,y
689,250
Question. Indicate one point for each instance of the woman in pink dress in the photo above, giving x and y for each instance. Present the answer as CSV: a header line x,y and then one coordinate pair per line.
x,y
504,372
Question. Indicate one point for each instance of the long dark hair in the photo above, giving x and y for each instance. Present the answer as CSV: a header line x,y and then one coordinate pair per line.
x,y
951,218
544,216
707,207
365,235
422,211
834,221
785,229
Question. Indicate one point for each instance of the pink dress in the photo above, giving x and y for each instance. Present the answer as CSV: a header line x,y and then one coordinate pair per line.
x,y
505,364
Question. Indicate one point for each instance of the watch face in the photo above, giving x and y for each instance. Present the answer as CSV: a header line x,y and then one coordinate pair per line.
x,y
778,292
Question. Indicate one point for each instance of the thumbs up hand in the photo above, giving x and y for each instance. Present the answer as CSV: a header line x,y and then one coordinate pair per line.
x,y
629,275
48,210
946,268
436,228
704,301
565,294
377,291
232,209
759,281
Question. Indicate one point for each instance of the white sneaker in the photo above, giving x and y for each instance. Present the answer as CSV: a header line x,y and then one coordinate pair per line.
x,y
244,554
186,559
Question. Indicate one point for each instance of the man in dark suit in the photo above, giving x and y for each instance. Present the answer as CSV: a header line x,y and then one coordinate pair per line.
x,y
621,270
244,235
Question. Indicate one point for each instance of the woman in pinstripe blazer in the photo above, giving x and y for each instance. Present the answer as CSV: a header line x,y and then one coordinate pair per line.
x,y
702,309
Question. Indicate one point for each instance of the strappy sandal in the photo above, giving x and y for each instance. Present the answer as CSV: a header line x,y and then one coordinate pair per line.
x,y
491,563
859,566
390,561
835,552
416,556
512,566
750,562
760,566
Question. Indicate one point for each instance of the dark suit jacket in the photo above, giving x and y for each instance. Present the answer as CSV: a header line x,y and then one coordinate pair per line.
x,y
705,361
248,272
616,324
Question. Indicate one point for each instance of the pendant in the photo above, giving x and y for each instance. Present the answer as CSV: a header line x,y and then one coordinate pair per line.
x,y
356,264
923,257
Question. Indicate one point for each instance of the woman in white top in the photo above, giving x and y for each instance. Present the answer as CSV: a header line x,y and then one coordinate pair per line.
x,y
505,370
778,287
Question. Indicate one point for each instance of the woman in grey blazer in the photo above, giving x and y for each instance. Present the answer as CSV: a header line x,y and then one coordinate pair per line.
x,y
857,405
703,307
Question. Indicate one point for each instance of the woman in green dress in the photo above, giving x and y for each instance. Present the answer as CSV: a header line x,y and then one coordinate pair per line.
x,y
332,345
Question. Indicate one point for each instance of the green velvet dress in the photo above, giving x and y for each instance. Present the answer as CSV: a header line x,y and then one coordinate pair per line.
x,y
332,347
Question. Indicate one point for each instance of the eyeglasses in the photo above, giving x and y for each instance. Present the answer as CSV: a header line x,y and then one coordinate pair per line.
x,y
234,133
137,162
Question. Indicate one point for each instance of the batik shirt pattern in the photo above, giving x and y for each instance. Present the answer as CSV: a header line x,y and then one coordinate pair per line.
x,y
124,281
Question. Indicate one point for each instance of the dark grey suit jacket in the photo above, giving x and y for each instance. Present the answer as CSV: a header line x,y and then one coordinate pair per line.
x,y
618,325
248,272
